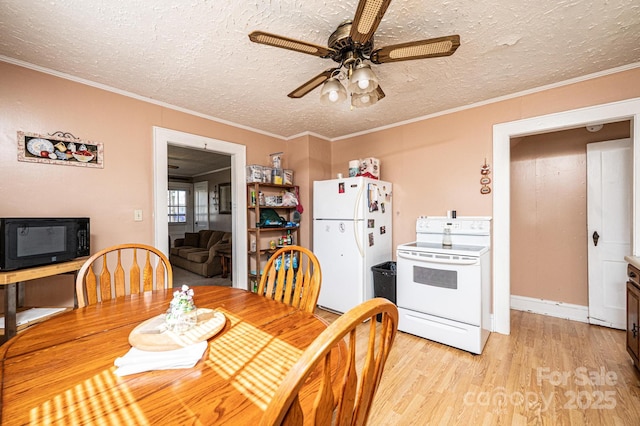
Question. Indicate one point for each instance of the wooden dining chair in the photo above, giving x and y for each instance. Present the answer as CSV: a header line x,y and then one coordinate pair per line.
x,y
96,282
292,276
349,402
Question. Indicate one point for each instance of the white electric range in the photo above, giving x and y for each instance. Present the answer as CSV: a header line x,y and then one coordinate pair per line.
x,y
444,282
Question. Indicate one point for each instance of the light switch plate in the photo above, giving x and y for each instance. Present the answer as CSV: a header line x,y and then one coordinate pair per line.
x,y
137,215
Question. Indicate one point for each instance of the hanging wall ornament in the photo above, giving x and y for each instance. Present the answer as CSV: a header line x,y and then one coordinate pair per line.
x,y
485,180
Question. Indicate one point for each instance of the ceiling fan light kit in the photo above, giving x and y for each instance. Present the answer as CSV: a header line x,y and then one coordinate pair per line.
x,y
332,92
350,45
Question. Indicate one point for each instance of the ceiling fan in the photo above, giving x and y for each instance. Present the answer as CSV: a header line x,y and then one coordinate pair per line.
x,y
351,46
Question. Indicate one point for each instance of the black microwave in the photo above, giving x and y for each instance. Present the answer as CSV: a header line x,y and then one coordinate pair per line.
x,y
27,242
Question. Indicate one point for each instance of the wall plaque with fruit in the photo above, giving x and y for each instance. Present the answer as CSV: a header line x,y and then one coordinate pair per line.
x,y
59,148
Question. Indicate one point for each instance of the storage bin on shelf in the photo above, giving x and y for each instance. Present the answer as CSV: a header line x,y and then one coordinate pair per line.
x,y
277,176
254,173
267,174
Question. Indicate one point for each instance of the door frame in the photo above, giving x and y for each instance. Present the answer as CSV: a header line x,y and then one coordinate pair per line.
x,y
502,134
161,139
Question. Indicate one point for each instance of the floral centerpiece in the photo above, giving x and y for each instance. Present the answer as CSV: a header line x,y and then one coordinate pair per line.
x,y
182,313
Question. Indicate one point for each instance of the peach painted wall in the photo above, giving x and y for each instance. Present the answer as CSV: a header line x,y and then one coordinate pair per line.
x,y
435,163
35,102
297,153
311,156
549,213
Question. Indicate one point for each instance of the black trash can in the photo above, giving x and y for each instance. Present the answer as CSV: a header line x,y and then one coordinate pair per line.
x,y
384,282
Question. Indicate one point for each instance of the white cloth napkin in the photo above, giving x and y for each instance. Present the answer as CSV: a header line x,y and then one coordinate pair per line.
x,y
137,361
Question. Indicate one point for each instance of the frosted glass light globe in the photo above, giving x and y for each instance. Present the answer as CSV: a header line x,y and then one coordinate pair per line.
x,y
332,92
362,80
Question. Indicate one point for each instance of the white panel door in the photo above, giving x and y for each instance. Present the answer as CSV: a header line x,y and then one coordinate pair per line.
x,y
609,171
201,205
341,263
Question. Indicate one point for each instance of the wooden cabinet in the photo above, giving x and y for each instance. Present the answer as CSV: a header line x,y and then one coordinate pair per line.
x,y
259,197
633,311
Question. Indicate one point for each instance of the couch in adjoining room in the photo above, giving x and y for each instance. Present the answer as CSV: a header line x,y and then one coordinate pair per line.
x,y
198,251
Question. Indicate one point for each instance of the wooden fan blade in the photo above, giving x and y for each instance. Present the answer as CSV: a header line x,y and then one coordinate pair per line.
x,y
291,44
368,17
431,48
380,92
311,84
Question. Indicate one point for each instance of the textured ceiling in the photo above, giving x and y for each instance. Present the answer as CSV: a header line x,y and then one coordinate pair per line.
x,y
195,54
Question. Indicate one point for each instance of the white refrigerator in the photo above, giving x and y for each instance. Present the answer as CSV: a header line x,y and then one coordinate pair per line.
x,y
351,233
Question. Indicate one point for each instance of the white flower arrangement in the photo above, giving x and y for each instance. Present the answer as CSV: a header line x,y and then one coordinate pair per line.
x,y
183,300
181,315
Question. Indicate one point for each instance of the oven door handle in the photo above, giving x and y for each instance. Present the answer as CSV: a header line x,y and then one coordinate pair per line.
x,y
419,258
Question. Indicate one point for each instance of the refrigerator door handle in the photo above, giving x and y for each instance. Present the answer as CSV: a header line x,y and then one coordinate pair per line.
x,y
355,220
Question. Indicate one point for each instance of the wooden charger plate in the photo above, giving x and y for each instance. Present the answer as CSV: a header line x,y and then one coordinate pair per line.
x,y
152,335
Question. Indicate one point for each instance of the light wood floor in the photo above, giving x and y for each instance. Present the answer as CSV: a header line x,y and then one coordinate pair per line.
x,y
548,371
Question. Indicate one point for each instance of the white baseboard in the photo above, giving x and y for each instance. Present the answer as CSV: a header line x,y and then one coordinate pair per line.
x,y
549,307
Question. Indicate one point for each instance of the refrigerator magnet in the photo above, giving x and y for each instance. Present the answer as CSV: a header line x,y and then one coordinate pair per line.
x,y
383,230
371,223
341,188
370,239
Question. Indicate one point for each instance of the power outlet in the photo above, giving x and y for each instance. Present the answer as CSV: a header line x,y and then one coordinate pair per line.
x,y
137,215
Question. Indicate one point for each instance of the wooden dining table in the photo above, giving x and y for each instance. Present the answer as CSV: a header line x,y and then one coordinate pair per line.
x,y
62,370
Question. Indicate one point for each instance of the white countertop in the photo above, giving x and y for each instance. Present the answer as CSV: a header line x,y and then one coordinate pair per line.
x,y
634,260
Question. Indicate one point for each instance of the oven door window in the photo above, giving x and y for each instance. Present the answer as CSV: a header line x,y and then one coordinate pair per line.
x,y
435,277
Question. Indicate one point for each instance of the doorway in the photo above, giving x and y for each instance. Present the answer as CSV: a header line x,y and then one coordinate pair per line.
x,y
161,139
502,134
550,269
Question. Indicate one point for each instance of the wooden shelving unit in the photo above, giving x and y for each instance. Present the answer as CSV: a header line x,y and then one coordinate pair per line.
x,y
259,238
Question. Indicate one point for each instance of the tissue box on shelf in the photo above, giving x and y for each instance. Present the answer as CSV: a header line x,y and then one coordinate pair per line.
x,y
288,177
370,167
254,173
